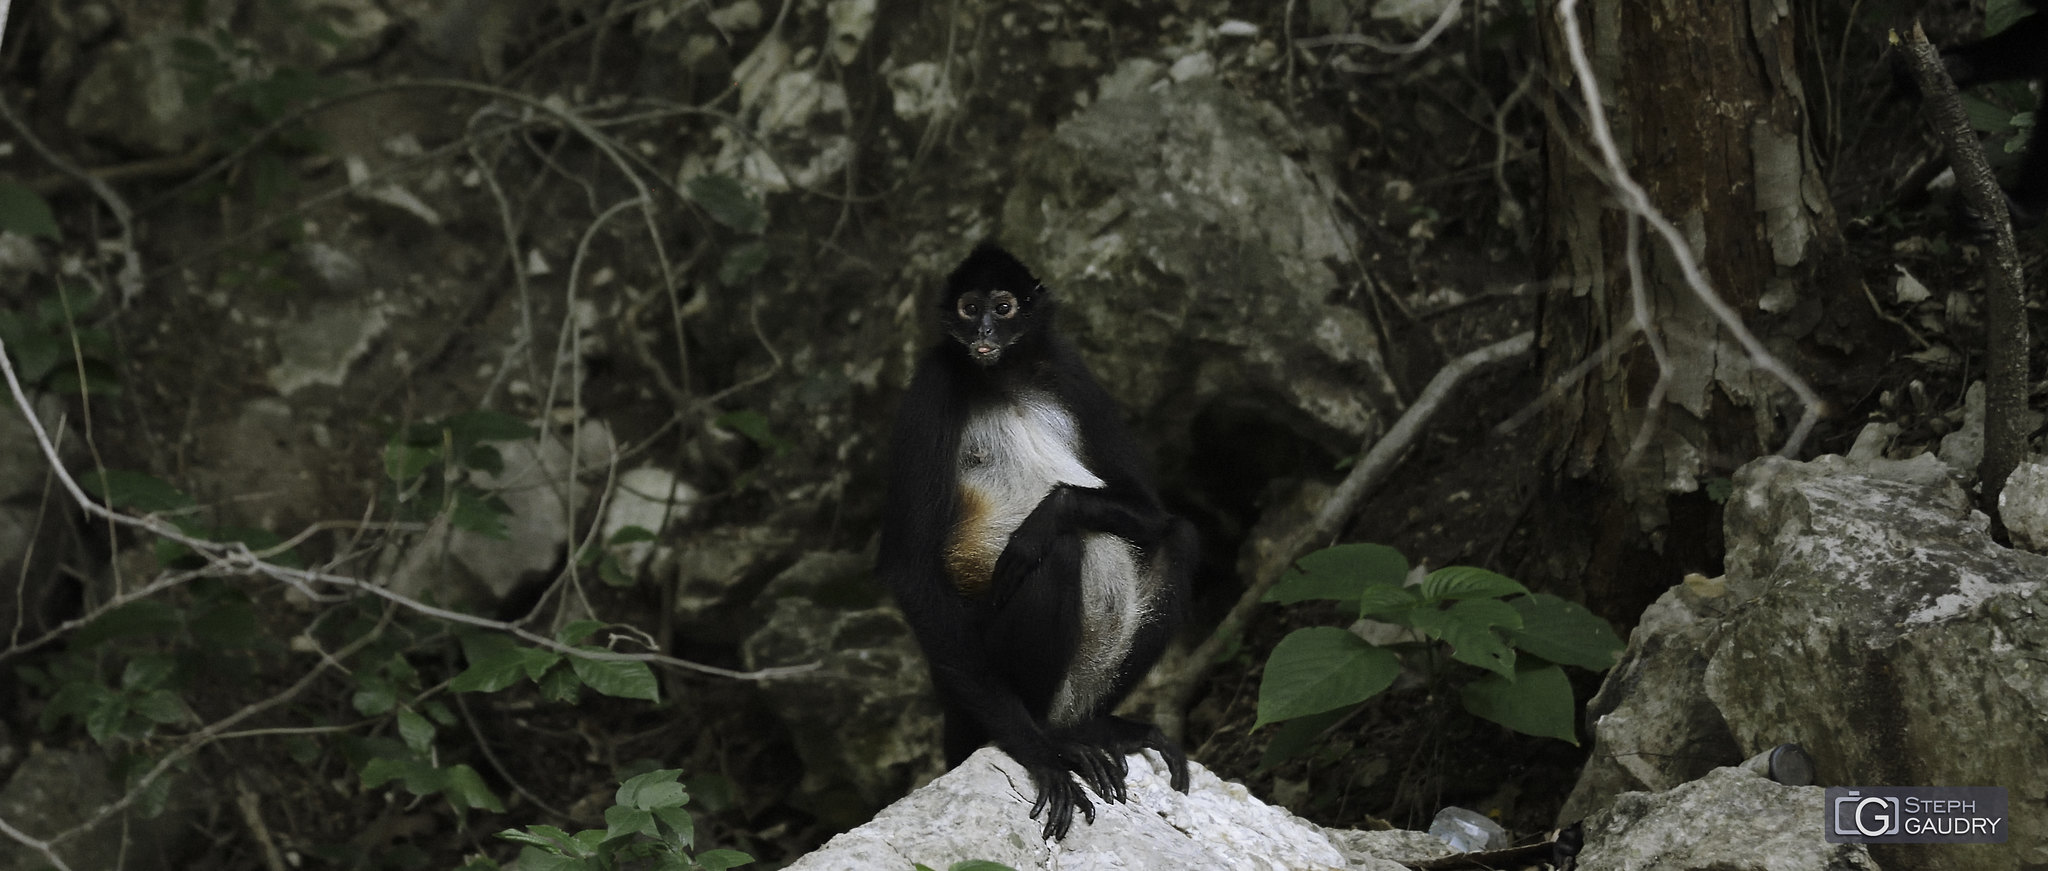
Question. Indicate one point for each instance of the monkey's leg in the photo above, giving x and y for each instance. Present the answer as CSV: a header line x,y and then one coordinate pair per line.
x,y
1175,557
1029,636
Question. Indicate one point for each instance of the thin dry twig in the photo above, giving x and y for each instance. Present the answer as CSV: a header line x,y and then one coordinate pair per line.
x,y
1367,474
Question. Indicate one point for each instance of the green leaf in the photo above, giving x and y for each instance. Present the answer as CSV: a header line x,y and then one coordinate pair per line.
x,y
26,212
534,859
1565,632
134,491
612,574
147,672
100,379
466,790
404,462
721,859
544,837
162,707
979,865
655,789
497,662
1340,573
630,535
1537,702
419,777
1469,627
577,630
481,513
743,262
36,355
1468,582
374,695
154,797
139,618
417,732
626,679
1320,668
561,685
485,458
727,202
76,700
682,827
471,427
621,821
105,719
1386,601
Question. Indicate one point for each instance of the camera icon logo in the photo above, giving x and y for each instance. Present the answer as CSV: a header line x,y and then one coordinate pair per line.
x,y
1870,816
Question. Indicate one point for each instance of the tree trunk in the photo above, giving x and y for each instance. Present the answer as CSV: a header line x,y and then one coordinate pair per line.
x,y
1707,110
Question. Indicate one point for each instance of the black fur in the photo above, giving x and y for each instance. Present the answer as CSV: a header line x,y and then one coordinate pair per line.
x,y
2018,52
999,652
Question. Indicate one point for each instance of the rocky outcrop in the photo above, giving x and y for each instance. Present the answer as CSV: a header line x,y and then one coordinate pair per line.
x,y
1729,820
981,811
1178,207
1867,615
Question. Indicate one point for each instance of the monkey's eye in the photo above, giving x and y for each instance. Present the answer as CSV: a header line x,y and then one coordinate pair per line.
x,y
1004,305
970,308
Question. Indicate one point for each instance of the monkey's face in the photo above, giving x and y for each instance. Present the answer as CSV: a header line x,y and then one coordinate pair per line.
x,y
986,322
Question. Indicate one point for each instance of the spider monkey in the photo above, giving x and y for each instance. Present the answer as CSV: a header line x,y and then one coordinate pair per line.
x,y
1027,546
2020,51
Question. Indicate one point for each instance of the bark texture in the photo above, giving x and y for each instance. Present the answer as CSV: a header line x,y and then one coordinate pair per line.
x,y
1707,109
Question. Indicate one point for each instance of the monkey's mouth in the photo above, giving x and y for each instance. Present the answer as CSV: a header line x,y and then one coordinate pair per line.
x,y
984,351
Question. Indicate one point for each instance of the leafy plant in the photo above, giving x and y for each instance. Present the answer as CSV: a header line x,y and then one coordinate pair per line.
x,y
1517,640
646,827
726,200
432,467
24,211
51,349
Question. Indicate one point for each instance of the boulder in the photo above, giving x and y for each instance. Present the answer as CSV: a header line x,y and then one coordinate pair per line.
x,y
981,809
1866,615
1195,257
1729,820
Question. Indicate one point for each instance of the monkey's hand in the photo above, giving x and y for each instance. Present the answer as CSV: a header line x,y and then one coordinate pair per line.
x,y
1054,766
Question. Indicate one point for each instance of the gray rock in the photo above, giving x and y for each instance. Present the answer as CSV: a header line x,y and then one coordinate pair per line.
x,y
1869,618
55,790
864,721
981,811
542,496
1964,448
133,96
1178,208
1730,820
321,348
2023,505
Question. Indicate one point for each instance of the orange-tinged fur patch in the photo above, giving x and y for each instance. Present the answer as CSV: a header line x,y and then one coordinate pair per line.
x,y
970,554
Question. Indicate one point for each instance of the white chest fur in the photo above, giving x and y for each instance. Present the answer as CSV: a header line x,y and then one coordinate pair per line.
x,y
1011,456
